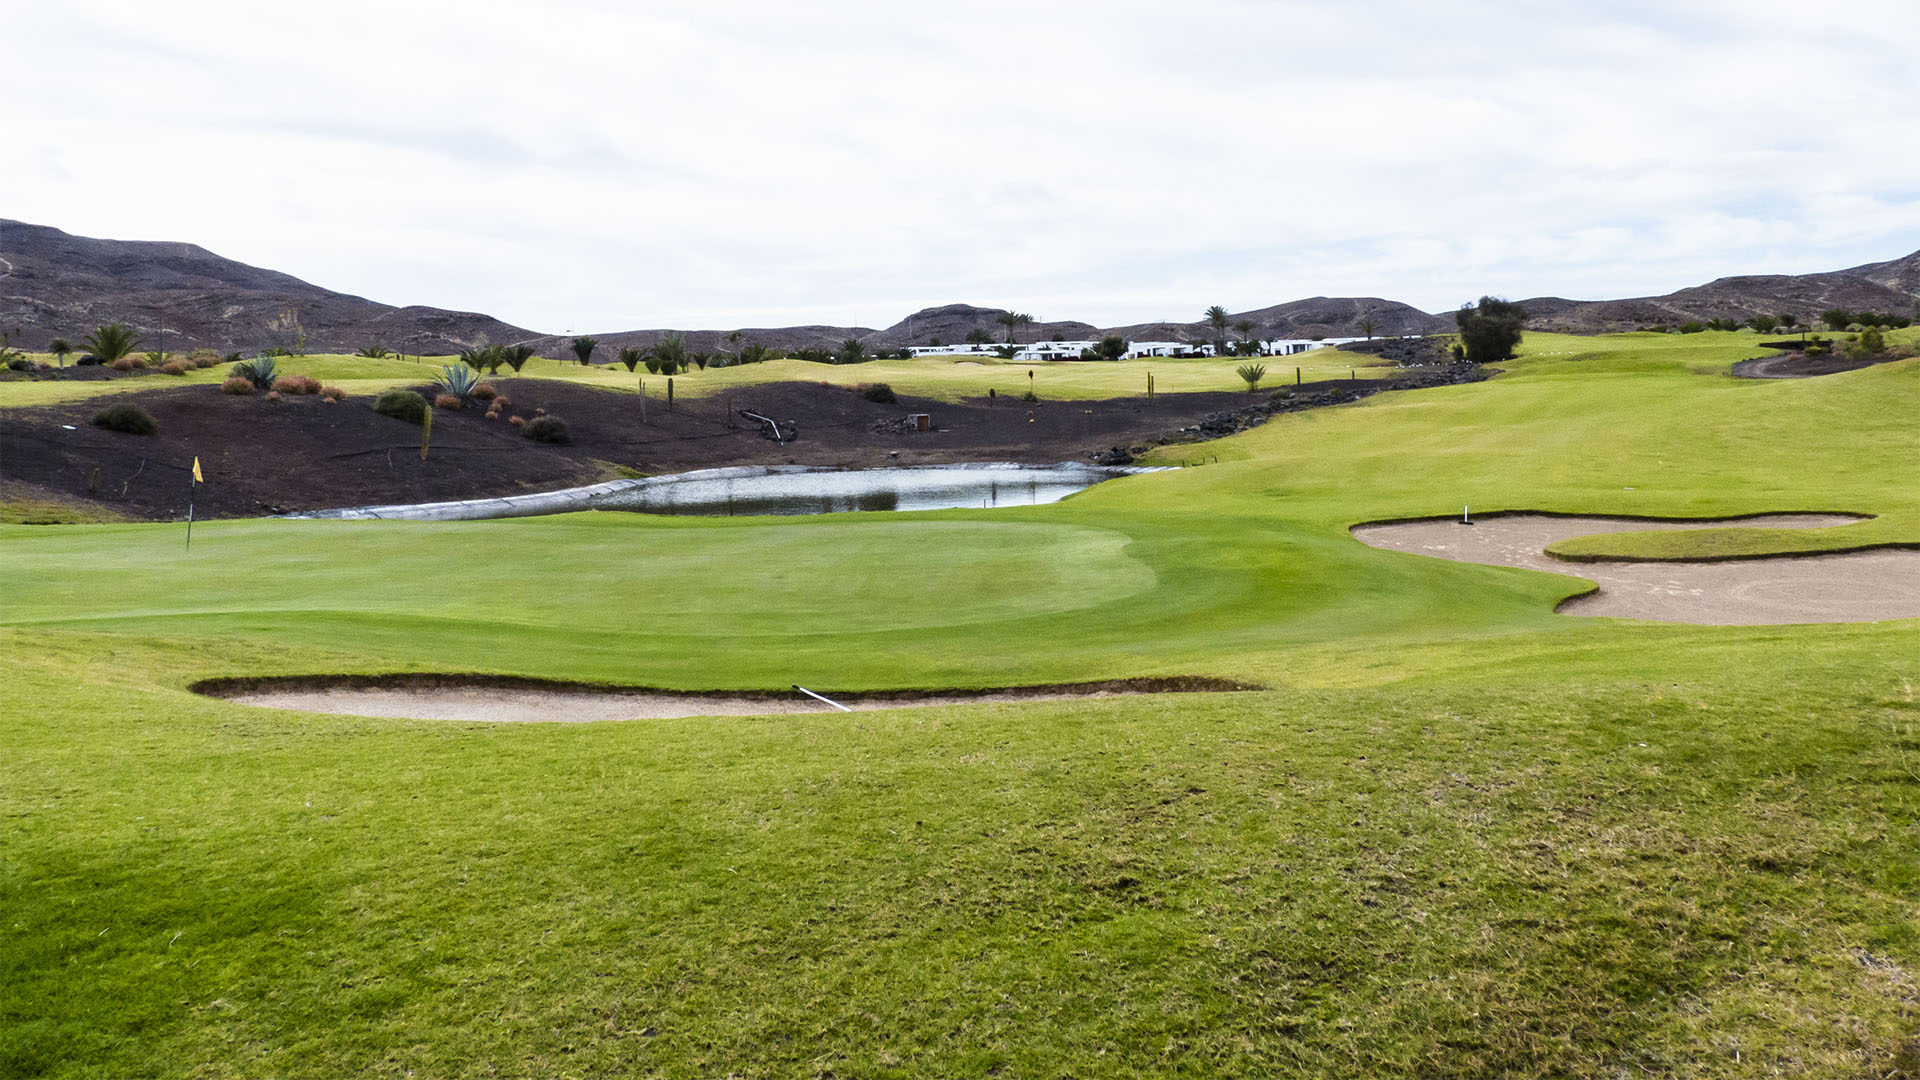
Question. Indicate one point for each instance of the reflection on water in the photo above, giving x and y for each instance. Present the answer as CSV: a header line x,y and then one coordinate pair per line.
x,y
829,491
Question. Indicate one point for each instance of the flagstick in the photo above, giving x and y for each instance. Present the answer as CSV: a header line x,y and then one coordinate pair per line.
x,y
189,519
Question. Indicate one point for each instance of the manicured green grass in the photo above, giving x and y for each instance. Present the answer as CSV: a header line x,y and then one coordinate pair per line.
x,y
357,375
941,378
947,378
1460,836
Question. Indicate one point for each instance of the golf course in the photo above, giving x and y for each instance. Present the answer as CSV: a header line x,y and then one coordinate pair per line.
x,y
1448,831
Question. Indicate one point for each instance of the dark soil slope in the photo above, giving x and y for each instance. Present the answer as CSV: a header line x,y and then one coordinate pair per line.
x,y
303,453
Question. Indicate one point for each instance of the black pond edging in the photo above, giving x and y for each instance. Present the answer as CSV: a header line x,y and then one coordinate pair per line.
x,y
236,686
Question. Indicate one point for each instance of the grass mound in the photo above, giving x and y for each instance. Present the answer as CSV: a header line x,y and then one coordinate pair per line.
x,y
407,405
125,417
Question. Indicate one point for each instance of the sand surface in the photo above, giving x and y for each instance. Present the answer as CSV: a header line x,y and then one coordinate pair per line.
x,y
1864,586
500,705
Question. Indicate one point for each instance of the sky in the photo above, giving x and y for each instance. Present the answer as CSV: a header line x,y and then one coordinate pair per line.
x,y
592,165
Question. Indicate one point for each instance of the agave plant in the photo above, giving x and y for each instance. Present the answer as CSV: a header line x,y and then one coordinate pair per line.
x,y
458,381
1253,373
260,371
111,341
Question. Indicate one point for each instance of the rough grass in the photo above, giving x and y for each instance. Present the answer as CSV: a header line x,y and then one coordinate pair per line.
x,y
1460,837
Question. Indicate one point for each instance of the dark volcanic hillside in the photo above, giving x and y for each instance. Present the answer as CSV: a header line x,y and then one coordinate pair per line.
x,y
53,284
1892,287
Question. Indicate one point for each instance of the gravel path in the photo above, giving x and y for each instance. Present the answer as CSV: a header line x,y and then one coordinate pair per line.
x,y
1864,586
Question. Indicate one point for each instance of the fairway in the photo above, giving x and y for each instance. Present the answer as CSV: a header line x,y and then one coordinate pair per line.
x,y
941,378
1455,835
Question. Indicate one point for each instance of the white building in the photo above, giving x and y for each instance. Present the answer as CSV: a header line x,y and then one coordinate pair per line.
x,y
1037,351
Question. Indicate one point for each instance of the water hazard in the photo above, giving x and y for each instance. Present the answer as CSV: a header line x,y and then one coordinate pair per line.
x,y
801,490
779,490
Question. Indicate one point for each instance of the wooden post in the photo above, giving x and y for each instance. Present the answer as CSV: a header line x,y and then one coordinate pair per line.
x,y
1296,376
669,394
426,432
729,410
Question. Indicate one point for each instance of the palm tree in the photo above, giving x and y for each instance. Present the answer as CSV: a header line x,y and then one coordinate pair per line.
x,y
671,352
1218,318
583,348
1253,373
1367,325
516,356
60,347
1245,329
111,341
1022,319
1009,320
631,356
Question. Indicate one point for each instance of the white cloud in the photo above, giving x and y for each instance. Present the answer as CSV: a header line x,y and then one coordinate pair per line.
x,y
602,165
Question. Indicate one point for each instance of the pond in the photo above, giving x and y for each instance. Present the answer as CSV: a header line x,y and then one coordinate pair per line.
x,y
777,489
785,490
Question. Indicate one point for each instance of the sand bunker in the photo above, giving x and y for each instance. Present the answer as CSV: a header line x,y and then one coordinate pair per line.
x,y
1866,586
503,700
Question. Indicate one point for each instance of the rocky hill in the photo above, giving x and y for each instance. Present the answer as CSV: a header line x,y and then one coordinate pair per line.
x,y
1892,287
53,284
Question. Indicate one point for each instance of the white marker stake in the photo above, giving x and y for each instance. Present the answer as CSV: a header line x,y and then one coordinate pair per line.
x,y
828,700
1465,518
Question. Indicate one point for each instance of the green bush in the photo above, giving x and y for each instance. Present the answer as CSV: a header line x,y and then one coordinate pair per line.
x,y
126,417
402,405
879,392
546,429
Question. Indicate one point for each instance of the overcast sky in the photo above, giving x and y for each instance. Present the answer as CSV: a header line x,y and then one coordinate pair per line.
x,y
598,165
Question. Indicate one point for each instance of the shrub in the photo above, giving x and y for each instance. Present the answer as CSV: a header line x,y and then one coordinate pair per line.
x,y
547,429
175,367
260,371
1692,326
125,363
1870,343
126,417
203,358
332,393
486,391
1029,396
493,414
445,401
376,352
1491,330
402,405
1252,373
879,392
517,421
235,384
297,384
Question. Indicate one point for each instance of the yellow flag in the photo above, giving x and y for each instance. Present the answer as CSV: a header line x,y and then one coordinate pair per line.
x,y
197,478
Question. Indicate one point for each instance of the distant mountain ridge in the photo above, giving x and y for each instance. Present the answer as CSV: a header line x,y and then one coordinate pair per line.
x,y
54,284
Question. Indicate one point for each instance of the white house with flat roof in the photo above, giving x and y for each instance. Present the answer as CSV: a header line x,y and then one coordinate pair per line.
x,y
1037,351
